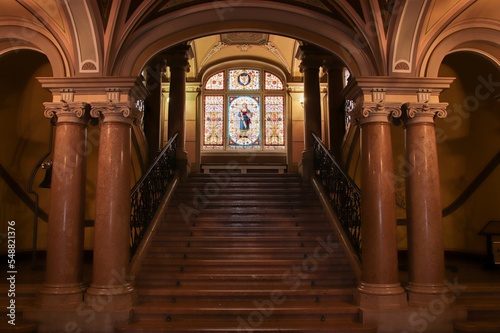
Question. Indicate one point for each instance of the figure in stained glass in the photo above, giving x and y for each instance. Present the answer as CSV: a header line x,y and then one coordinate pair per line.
x,y
245,120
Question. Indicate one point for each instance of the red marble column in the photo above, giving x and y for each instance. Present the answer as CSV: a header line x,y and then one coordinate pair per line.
x,y
178,62
63,275
312,60
110,286
336,106
423,198
379,286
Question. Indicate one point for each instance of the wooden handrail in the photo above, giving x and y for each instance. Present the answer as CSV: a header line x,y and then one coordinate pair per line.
x,y
474,185
18,190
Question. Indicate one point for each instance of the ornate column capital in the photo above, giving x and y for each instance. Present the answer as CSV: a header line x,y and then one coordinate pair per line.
x,y
414,113
63,112
311,57
370,112
121,112
178,57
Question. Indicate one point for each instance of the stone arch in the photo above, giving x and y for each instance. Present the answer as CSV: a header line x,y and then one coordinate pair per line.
x,y
480,40
20,35
276,18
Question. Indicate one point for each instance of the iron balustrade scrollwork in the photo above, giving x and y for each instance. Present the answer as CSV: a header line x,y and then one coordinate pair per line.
x,y
147,194
343,194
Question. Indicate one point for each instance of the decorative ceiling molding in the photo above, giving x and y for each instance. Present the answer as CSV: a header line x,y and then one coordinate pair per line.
x,y
216,48
244,38
53,10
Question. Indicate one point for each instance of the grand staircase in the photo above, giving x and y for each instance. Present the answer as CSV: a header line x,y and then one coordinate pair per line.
x,y
245,253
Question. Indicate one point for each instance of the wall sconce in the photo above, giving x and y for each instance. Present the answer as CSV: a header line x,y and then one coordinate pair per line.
x,y
302,101
48,174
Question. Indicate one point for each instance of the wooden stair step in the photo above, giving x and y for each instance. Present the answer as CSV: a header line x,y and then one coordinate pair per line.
x,y
228,309
243,325
477,326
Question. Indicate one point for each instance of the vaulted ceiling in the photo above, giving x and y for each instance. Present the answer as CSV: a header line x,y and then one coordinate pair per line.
x,y
394,36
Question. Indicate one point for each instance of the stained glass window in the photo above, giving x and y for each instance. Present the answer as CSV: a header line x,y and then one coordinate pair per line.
x,y
244,79
215,82
246,112
273,82
213,122
274,122
244,122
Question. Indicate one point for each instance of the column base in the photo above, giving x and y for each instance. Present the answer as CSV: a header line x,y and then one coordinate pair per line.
x,y
306,165
79,318
413,319
182,164
424,294
380,296
60,295
111,297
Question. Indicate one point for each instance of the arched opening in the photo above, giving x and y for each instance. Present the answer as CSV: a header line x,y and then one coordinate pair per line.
x,y
473,121
24,134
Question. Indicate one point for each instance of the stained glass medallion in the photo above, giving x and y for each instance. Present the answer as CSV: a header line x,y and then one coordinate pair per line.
x,y
244,122
213,122
244,79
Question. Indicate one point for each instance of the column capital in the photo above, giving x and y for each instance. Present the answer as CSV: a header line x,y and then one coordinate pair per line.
x,y
179,56
122,112
63,112
423,112
312,57
369,112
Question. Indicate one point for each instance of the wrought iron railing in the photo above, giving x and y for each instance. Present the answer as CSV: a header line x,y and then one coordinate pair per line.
x,y
342,193
147,194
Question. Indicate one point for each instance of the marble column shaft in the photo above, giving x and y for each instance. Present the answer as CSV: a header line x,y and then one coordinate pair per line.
x,y
112,219
63,276
379,276
423,198
312,100
336,109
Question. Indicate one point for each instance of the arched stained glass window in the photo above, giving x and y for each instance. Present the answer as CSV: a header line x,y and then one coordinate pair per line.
x,y
215,82
246,112
273,82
